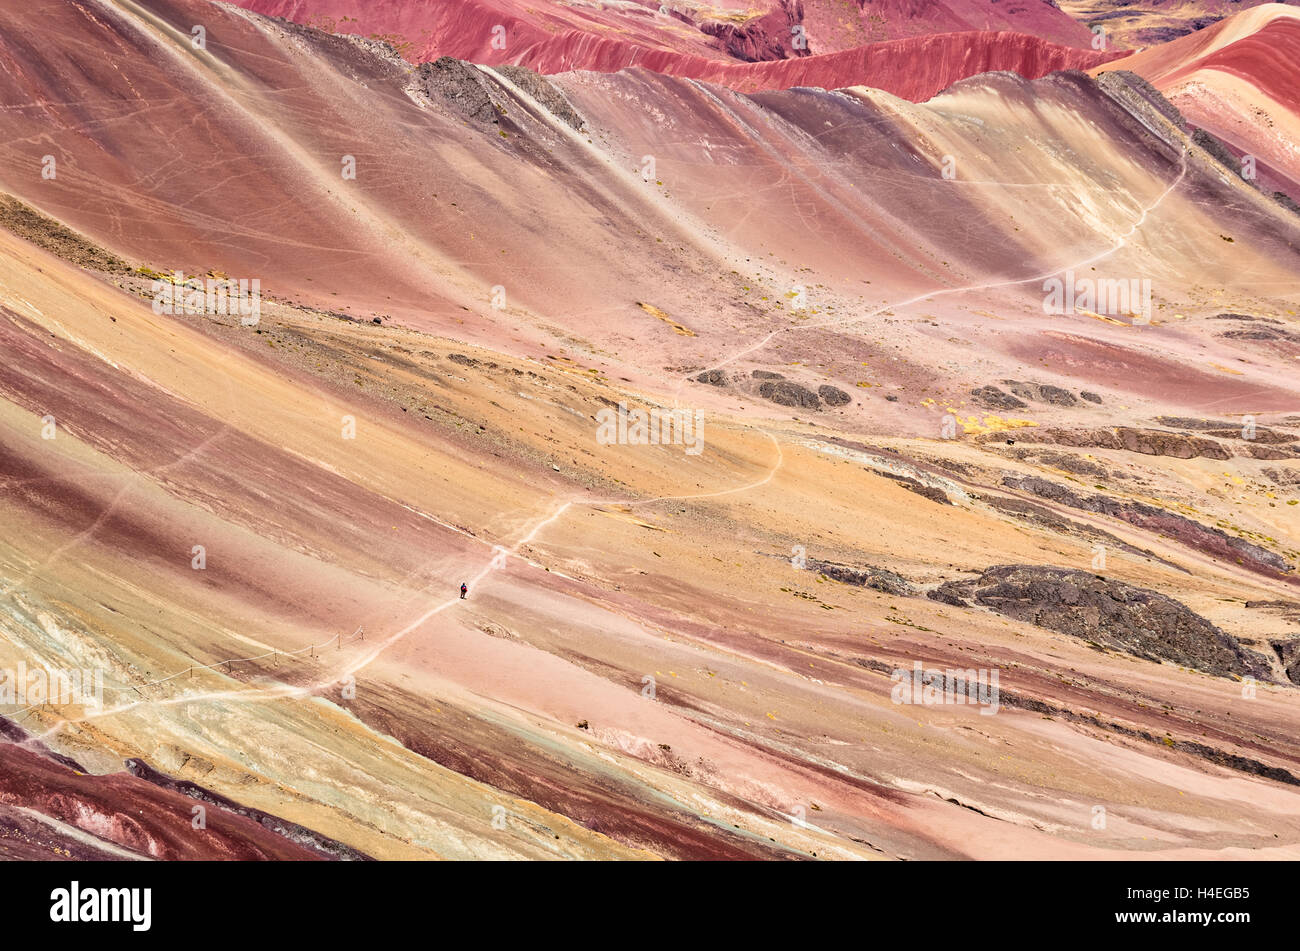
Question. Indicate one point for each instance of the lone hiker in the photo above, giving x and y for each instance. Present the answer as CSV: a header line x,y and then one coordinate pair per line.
x,y
464,590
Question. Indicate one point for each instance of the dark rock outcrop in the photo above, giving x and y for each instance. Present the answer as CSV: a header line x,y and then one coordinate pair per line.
x,y
1113,614
461,86
931,492
1263,333
1246,317
541,89
1229,429
1284,477
1043,517
1216,149
297,834
1288,652
789,394
1042,393
57,238
1148,442
1212,541
1067,462
991,397
1193,422
833,395
878,579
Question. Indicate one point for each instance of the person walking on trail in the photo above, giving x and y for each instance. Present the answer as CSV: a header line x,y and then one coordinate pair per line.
x,y
464,590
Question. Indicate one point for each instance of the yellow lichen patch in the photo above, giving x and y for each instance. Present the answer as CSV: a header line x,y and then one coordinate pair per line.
x,y
973,425
654,311
1224,369
569,365
1109,320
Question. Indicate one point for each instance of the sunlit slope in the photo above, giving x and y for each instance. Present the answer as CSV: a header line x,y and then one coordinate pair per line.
x,y
1238,80
259,532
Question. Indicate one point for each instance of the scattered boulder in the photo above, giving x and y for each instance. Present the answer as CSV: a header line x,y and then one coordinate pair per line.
x,y
1264,333
878,579
766,375
1042,393
1066,462
833,395
931,492
1256,451
1090,396
789,394
1284,477
1267,320
993,398
713,378
1291,609
1276,329
948,595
